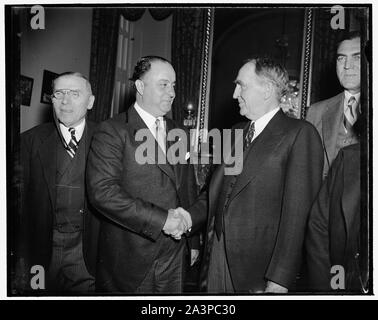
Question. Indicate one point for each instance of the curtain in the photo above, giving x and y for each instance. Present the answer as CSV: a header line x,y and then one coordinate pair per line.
x,y
105,26
188,30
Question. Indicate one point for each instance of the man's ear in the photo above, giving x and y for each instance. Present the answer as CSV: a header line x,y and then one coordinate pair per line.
x,y
139,85
91,102
269,90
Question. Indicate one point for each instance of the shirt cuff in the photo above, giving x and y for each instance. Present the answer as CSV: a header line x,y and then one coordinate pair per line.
x,y
188,219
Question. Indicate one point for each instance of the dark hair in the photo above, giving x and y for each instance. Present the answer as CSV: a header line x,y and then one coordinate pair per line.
x,y
144,64
270,70
76,74
348,35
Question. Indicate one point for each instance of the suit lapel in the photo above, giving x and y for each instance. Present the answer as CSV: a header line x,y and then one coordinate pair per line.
x,y
136,123
215,187
177,168
332,120
88,133
48,157
257,154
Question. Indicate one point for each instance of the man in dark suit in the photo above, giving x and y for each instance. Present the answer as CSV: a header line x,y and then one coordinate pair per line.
x,y
334,117
135,255
338,232
57,230
334,238
257,218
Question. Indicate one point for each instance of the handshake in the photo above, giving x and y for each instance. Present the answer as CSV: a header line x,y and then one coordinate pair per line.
x,y
178,222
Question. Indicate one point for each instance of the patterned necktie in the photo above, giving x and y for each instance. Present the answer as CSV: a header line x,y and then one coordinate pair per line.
x,y
160,133
351,113
249,136
73,144
351,102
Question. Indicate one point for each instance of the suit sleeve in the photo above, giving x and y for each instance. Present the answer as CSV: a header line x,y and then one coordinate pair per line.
x,y
105,190
198,211
317,239
312,115
302,181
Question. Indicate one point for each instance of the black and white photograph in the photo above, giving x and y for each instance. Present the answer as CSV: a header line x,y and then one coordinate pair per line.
x,y
189,150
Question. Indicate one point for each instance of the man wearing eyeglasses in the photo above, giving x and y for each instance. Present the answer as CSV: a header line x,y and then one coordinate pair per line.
x,y
57,231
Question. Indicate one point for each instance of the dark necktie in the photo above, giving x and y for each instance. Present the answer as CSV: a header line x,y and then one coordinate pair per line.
x,y
73,144
249,136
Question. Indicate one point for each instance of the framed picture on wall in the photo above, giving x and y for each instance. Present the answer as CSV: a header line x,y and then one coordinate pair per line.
x,y
26,89
48,77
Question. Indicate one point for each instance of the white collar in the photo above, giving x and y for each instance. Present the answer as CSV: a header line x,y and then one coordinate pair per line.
x,y
263,121
79,129
347,96
148,118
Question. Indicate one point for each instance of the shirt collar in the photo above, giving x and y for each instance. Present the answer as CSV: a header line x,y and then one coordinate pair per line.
x,y
148,118
347,96
263,121
79,129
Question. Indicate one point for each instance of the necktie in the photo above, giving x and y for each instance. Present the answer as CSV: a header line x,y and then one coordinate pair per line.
x,y
351,113
249,136
351,105
73,144
160,133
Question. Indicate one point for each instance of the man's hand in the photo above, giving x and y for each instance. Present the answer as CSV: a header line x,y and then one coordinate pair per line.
x,y
175,225
272,287
178,222
194,255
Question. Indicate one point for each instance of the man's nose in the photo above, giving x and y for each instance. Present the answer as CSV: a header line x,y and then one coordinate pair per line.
x,y
65,98
171,92
236,92
348,63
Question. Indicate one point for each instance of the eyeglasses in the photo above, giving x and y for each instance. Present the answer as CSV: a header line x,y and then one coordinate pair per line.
x,y
59,94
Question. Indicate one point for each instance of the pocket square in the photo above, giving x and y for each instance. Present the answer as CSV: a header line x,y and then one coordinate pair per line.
x,y
187,156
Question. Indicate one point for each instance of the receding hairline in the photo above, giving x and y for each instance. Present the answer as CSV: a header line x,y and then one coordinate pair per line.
x,y
163,62
77,75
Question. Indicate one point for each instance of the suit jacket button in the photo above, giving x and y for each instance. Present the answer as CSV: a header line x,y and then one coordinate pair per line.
x,y
81,210
356,255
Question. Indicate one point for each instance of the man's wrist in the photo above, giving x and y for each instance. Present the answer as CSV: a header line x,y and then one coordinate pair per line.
x,y
188,219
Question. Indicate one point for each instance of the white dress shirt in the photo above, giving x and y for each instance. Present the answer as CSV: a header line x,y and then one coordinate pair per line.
x,y
79,129
263,121
347,96
148,119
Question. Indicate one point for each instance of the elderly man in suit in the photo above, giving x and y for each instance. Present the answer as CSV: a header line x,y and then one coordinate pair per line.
x,y
334,117
257,218
57,230
135,255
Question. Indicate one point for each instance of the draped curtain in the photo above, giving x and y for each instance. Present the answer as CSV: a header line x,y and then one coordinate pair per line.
x,y
105,30
188,31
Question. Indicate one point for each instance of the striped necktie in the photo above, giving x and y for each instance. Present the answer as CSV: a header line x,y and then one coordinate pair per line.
x,y
73,144
249,136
